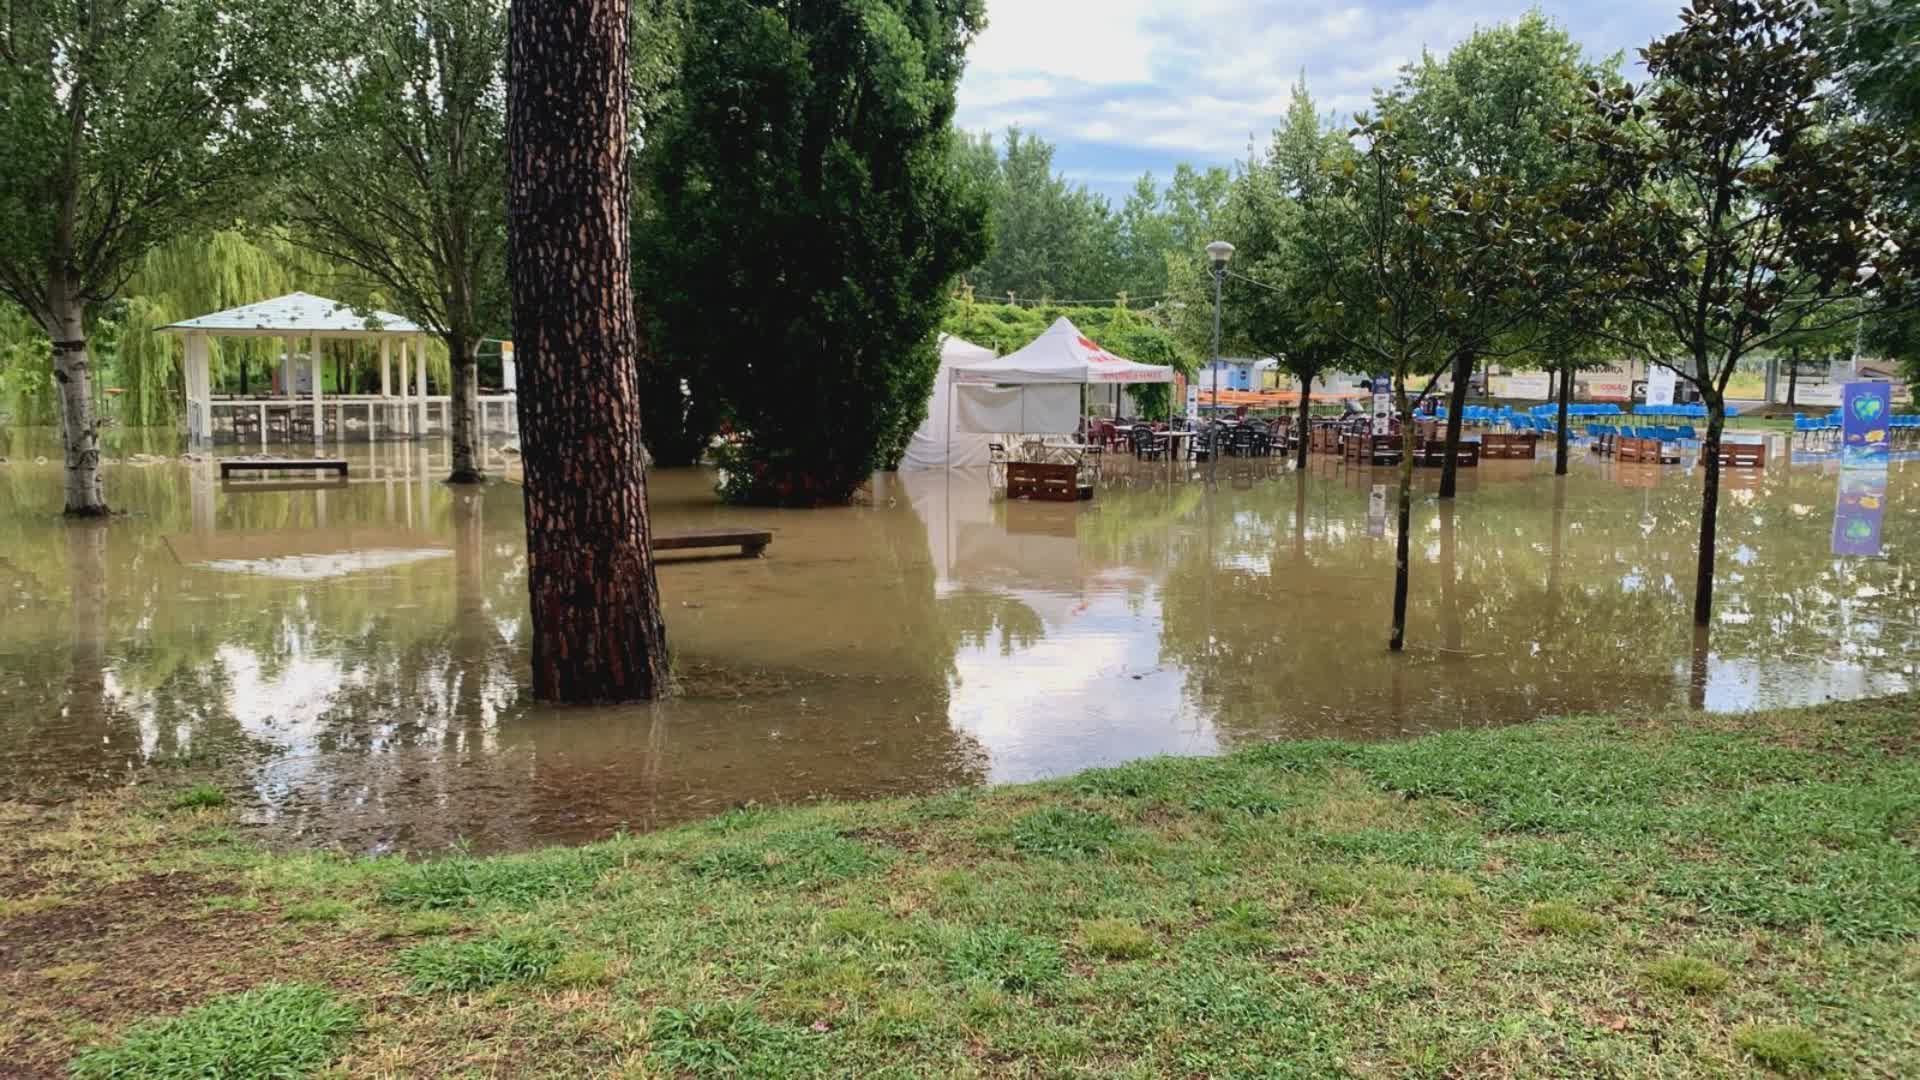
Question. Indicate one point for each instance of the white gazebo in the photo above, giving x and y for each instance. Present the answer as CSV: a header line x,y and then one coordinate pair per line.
x,y
1037,390
303,321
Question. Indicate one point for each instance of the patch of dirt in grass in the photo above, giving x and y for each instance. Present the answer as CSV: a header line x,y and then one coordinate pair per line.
x,y
143,948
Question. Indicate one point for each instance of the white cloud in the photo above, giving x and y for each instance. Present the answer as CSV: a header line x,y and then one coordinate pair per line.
x,y
1206,78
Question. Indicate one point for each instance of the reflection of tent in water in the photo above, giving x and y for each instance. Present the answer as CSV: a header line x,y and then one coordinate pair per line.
x,y
306,554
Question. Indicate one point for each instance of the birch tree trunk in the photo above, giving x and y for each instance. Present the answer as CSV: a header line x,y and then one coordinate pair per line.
x,y
80,426
463,419
597,631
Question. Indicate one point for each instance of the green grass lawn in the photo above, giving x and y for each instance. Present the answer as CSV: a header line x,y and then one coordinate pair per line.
x,y
1677,895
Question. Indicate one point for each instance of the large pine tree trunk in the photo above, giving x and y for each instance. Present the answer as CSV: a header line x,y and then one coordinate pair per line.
x,y
80,427
463,427
1456,406
597,631
1565,441
1709,508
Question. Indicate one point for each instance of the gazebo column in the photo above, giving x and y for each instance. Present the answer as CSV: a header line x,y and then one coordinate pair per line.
x,y
420,376
386,383
406,386
313,366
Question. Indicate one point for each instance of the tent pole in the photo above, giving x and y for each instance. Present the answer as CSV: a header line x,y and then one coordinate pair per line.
x,y
949,453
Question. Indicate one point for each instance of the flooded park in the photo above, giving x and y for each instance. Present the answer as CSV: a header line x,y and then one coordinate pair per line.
x,y
354,653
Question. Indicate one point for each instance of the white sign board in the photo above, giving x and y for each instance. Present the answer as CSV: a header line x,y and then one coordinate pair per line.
x,y
1660,384
1193,400
1528,386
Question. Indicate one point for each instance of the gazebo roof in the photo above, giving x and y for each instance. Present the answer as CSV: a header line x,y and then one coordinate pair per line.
x,y
295,314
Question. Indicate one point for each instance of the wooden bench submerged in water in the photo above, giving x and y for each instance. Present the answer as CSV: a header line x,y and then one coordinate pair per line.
x,y
229,466
751,542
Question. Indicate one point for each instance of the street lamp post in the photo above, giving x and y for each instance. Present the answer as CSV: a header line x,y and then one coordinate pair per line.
x,y
1221,253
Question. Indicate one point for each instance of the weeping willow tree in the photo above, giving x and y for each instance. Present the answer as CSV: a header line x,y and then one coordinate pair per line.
x,y
26,369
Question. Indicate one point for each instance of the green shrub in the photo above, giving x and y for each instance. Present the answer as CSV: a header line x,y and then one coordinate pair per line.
x,y
272,1031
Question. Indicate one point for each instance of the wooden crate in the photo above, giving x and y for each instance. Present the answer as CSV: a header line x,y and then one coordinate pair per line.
x,y
1373,449
1509,445
1048,483
1743,455
1433,453
1647,450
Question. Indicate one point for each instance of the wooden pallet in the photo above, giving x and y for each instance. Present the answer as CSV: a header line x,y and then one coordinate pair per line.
x,y
1652,451
1373,450
1048,483
1433,454
1743,455
1509,446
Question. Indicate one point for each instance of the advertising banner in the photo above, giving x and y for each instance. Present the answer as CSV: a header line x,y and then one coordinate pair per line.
x,y
1382,405
1660,384
1866,418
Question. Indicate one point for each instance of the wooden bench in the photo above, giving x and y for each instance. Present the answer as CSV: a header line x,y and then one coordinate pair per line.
x,y
1495,444
1046,482
1743,455
229,466
751,542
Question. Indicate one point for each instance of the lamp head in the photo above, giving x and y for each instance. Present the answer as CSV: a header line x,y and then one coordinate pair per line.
x,y
1221,253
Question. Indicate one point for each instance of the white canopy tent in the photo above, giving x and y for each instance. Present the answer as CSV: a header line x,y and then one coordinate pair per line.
x,y
303,317
927,449
1036,391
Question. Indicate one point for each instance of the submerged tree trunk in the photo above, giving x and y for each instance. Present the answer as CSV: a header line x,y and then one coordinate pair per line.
x,y
1402,539
1300,516
79,425
597,631
1565,437
1709,507
463,423
1306,422
1456,405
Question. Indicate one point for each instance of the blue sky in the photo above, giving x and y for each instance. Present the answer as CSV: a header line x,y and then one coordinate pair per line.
x,y
1123,87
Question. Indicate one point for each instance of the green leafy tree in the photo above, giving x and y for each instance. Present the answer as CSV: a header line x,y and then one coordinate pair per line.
x,y
407,187
1498,105
806,222
1269,304
1051,239
125,123
1757,216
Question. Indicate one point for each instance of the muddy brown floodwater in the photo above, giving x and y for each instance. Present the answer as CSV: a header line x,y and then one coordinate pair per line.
x,y
356,653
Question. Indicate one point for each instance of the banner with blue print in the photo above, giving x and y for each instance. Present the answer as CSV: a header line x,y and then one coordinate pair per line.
x,y
1859,510
1866,419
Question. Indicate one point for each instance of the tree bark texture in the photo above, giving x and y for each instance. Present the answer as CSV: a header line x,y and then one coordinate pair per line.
x,y
463,424
1564,441
1709,510
1793,378
597,631
80,426
1306,422
1456,406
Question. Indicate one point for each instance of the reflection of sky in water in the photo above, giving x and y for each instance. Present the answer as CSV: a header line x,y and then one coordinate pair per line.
x,y
375,640
320,567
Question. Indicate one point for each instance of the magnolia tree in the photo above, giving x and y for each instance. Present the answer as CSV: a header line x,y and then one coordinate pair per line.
x,y
1759,213
126,123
